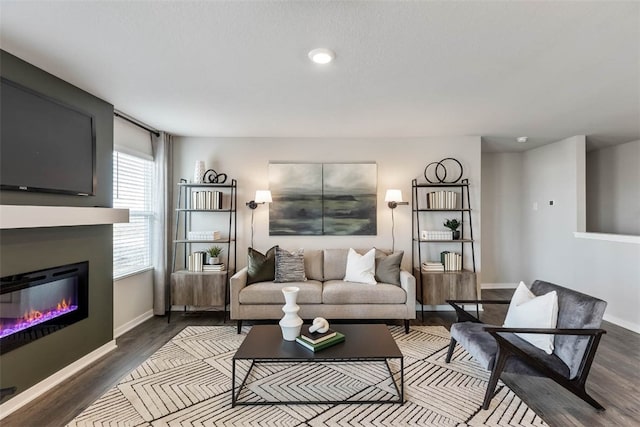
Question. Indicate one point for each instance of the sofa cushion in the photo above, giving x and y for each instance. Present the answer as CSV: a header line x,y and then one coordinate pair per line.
x,y
271,293
341,292
361,268
335,262
388,267
289,266
483,347
529,311
261,267
313,264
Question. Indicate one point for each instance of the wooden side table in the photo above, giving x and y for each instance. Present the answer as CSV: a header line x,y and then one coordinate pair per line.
x,y
199,289
438,286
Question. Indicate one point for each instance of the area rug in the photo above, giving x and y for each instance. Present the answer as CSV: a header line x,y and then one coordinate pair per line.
x,y
187,382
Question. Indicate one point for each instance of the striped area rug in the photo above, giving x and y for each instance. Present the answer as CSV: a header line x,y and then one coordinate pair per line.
x,y
187,382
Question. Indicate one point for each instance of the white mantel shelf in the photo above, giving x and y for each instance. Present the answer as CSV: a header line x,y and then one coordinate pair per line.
x,y
17,216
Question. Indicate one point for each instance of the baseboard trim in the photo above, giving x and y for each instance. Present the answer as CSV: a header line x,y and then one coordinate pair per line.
x,y
498,285
633,327
48,383
132,323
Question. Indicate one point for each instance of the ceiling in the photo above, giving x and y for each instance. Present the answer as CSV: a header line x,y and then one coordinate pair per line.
x,y
547,70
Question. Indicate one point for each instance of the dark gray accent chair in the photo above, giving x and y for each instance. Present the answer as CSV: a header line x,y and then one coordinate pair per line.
x,y
498,349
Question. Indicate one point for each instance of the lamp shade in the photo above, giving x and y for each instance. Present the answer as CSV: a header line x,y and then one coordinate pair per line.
x,y
263,196
393,195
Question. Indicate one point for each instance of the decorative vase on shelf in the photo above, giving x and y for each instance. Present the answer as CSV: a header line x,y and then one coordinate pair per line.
x,y
291,323
198,173
456,234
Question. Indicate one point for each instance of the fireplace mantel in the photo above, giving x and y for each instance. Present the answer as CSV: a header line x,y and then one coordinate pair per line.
x,y
18,216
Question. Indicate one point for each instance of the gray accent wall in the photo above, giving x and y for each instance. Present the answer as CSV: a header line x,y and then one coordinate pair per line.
x,y
502,218
613,189
33,249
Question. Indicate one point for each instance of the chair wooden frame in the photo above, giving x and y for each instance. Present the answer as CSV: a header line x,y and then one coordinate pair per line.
x,y
507,349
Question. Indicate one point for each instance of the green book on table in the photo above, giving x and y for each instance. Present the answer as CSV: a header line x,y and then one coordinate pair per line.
x,y
338,338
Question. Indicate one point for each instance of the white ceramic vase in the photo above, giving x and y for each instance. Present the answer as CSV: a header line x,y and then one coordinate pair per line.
x,y
198,173
291,322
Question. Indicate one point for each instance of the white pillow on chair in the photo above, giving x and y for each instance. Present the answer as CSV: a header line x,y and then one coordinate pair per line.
x,y
529,311
361,268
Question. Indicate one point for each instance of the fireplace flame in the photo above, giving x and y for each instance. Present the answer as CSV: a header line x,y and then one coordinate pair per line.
x,y
33,317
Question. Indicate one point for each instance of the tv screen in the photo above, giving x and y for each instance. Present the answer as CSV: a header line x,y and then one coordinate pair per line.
x,y
45,145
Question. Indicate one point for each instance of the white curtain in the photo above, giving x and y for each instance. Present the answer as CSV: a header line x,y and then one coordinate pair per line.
x,y
162,147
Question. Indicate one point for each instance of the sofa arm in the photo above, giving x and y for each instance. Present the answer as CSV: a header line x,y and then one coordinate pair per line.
x,y
408,284
237,282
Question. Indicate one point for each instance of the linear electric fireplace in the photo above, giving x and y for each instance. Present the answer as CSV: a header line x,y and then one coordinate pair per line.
x,y
38,303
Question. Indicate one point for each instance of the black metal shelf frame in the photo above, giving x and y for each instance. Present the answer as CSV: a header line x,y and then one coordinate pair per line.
x,y
465,208
184,209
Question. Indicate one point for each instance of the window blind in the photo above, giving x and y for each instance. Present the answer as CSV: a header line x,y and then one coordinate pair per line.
x,y
132,179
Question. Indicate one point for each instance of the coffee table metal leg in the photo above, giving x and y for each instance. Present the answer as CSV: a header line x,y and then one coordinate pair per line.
x,y
399,390
233,383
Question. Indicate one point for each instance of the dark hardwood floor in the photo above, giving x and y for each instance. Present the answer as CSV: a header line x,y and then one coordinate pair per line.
x,y
614,380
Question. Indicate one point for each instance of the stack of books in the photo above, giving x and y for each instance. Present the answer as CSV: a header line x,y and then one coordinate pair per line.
x,y
452,261
203,235
195,261
213,267
442,200
436,235
316,341
432,266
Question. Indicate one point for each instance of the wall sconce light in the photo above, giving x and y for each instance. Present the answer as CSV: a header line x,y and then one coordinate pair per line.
x,y
393,199
262,197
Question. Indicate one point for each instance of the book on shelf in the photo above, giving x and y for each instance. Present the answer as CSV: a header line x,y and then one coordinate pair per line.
x,y
207,200
213,267
432,266
442,200
203,235
195,262
452,261
316,337
338,338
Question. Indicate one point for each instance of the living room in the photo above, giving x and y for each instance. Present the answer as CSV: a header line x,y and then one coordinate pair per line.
x,y
410,84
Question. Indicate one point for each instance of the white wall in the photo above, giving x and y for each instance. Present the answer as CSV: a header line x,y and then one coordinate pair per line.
x,y
501,219
132,301
613,189
399,161
607,270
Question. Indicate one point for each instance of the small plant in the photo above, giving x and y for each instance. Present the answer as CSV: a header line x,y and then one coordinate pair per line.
x,y
452,224
214,251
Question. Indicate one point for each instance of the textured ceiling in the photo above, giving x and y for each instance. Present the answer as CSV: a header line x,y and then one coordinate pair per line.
x,y
548,70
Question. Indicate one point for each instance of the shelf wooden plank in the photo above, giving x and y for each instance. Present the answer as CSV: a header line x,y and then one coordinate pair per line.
x,y
204,241
208,185
441,210
203,210
443,241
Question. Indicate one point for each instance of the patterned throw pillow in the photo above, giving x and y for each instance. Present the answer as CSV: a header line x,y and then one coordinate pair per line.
x,y
289,266
261,268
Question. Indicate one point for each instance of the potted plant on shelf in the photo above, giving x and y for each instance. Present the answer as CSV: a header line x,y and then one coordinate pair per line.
x,y
453,224
214,254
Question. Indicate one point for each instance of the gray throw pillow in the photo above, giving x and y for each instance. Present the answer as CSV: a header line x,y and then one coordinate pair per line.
x,y
289,266
388,267
261,268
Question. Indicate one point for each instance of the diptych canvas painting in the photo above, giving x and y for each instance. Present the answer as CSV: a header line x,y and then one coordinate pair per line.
x,y
323,199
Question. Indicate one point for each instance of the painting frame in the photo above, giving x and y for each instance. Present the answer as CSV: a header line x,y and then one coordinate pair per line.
x,y
323,199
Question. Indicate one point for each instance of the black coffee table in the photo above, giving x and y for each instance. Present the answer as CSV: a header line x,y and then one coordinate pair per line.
x,y
363,343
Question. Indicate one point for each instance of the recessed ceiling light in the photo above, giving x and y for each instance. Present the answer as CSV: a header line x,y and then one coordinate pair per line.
x,y
522,138
322,55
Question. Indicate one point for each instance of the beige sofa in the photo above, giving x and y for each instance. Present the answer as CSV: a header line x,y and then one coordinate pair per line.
x,y
325,294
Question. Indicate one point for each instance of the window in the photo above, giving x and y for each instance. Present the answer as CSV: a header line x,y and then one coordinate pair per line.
x,y
132,178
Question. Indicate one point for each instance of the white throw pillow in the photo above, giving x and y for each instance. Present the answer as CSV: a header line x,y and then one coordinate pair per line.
x,y
529,311
361,268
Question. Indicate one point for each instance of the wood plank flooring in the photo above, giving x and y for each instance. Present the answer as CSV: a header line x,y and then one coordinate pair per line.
x,y
614,380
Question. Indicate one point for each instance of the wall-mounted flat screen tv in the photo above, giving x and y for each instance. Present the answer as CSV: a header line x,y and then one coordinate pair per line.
x,y
45,145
